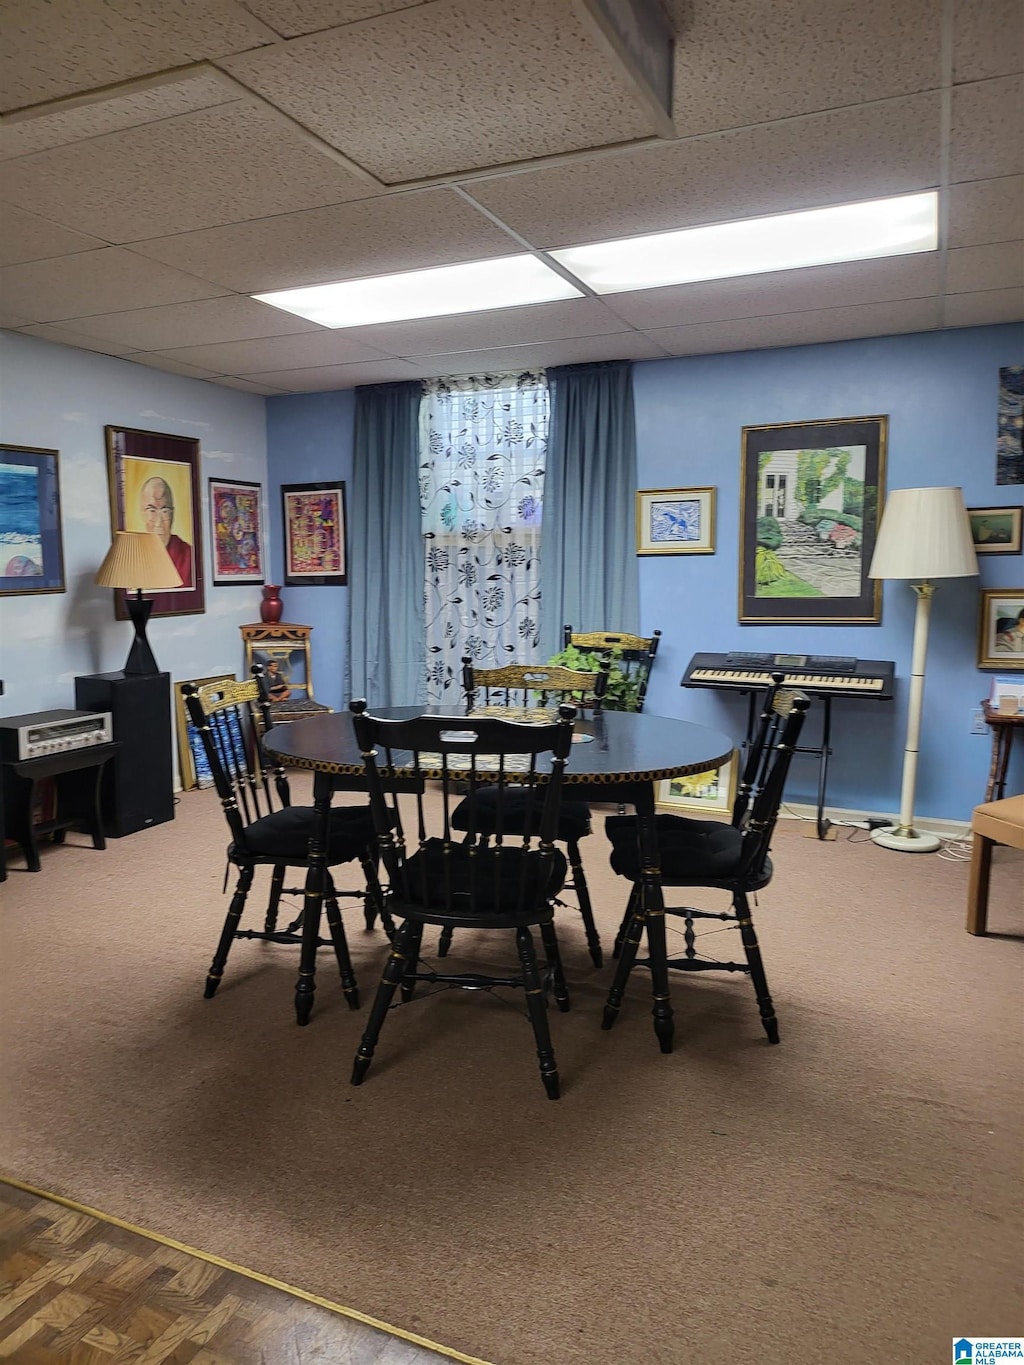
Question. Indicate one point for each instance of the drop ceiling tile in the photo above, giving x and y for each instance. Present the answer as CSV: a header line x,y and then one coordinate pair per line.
x,y
27,237
506,83
496,327
801,329
65,46
831,158
986,210
783,291
292,18
805,57
245,385
96,282
345,241
68,336
975,269
230,318
36,130
574,351
319,379
280,352
979,310
987,138
157,362
988,39
11,321
200,170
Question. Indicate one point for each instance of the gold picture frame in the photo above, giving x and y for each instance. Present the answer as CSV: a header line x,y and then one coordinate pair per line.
x,y
675,521
1001,629
712,791
184,730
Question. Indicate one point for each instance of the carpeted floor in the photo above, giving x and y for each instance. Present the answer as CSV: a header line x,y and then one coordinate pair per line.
x,y
852,1192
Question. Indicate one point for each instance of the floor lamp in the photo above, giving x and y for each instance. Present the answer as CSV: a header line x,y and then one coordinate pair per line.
x,y
924,534
138,560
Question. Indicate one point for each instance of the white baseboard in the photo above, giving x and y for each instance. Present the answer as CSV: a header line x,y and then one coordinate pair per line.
x,y
948,829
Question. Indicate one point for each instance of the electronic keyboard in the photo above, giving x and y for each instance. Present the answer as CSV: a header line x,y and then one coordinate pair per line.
x,y
822,675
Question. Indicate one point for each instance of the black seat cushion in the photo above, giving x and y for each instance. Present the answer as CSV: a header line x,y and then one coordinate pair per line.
x,y
573,816
284,835
495,879
698,851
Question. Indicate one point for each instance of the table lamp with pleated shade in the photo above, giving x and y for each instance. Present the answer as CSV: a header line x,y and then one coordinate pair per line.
x,y
925,534
138,562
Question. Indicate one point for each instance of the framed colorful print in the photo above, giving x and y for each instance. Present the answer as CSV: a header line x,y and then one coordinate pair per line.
x,y
314,533
675,521
811,498
193,765
236,532
996,530
1010,425
154,486
31,544
713,791
1001,628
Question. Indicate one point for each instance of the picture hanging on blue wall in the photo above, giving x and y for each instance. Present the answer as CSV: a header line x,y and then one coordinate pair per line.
x,y
1010,431
31,545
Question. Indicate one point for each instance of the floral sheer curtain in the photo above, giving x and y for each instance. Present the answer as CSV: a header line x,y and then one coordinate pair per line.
x,y
483,445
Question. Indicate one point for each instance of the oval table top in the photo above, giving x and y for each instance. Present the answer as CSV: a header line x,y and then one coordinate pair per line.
x,y
614,746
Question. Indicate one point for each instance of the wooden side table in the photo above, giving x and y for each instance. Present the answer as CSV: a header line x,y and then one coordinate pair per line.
x,y
76,774
1003,729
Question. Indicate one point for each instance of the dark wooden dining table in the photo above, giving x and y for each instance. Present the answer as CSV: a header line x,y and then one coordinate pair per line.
x,y
617,756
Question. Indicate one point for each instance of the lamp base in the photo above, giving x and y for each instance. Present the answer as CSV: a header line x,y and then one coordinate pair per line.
x,y
905,840
140,656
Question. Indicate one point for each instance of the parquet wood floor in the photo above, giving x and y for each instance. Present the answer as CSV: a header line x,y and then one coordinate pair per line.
x,y
77,1290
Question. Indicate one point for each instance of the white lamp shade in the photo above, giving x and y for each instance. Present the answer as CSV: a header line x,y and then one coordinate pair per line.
x,y
138,560
925,533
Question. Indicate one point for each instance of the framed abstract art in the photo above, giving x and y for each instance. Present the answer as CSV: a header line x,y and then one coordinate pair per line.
x,y
236,532
314,533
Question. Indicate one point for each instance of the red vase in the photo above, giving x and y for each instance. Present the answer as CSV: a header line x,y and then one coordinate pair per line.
x,y
271,606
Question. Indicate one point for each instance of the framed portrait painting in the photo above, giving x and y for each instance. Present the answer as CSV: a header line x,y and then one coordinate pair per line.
x,y
675,521
713,791
154,486
236,532
996,530
314,533
811,499
1001,629
31,543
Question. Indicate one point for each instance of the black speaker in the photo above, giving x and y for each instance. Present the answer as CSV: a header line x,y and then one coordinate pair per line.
x,y
138,784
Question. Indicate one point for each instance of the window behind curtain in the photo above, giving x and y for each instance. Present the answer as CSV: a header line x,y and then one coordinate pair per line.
x,y
483,445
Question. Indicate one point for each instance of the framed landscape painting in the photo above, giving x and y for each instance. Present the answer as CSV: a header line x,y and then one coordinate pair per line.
x,y
236,532
314,533
812,496
996,530
675,521
154,486
31,544
713,791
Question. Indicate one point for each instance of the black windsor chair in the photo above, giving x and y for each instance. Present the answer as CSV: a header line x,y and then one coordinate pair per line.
x,y
708,853
515,689
497,878
266,829
631,655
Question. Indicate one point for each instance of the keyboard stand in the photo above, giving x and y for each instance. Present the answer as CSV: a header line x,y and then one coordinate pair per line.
x,y
823,751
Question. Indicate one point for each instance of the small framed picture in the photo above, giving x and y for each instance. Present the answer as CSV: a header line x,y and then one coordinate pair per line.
x,y
236,531
713,791
193,767
675,521
31,545
314,533
1001,629
996,530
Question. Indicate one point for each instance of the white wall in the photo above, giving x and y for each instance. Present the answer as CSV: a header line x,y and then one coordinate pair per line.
x,y
60,398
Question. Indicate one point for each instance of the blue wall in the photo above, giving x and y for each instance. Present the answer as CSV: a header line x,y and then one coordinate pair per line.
x,y
939,392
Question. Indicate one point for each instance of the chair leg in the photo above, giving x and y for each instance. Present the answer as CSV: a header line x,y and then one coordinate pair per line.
x,y
757,974
628,949
276,887
348,977
227,934
445,941
977,888
375,903
393,972
536,1006
579,883
558,984
631,907
412,962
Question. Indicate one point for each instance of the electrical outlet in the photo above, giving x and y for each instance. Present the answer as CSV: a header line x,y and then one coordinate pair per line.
x,y
978,726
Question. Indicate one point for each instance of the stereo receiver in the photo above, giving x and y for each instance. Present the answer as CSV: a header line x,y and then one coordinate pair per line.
x,y
52,732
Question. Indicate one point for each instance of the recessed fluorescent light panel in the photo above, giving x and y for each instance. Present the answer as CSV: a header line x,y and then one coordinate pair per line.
x,y
751,246
505,282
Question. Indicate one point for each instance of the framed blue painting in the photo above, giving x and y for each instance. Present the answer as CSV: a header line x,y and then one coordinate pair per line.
x,y
675,521
31,544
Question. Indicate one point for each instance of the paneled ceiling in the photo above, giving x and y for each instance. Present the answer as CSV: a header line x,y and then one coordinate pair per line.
x,y
163,159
